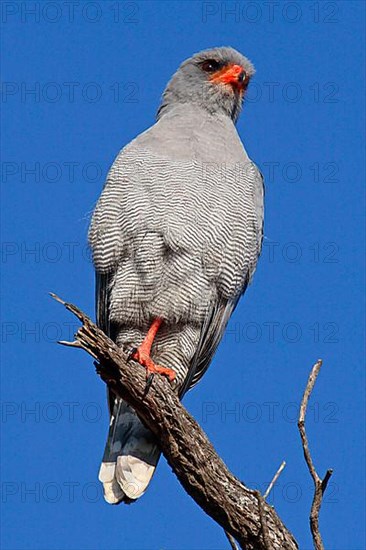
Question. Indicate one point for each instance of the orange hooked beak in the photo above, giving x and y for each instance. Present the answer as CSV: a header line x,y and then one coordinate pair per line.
x,y
231,74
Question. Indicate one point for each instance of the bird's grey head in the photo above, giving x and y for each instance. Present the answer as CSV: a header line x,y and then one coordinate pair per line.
x,y
214,79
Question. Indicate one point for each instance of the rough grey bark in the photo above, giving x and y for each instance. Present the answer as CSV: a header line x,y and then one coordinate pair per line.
x,y
240,511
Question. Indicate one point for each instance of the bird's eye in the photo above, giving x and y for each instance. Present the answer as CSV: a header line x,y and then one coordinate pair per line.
x,y
210,66
242,77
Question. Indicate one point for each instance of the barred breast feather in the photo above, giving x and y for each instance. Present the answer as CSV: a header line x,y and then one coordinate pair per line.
x,y
178,226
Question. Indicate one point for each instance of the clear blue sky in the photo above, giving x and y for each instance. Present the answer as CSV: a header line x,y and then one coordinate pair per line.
x,y
97,75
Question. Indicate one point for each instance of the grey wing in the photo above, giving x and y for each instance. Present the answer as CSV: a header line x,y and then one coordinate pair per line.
x,y
215,323
259,192
102,285
211,333
102,282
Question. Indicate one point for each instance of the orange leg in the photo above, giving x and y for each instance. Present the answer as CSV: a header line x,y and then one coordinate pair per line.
x,y
142,354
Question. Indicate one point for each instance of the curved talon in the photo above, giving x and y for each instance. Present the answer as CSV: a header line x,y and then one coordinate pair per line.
x,y
149,381
132,354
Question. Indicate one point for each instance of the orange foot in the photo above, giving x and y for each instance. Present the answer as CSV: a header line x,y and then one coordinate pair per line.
x,y
151,368
142,354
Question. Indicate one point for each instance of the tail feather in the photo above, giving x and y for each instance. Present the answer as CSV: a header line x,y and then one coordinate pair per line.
x,y
130,457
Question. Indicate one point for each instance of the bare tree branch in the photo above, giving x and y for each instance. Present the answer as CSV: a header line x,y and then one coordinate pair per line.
x,y
231,540
241,512
275,477
319,484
